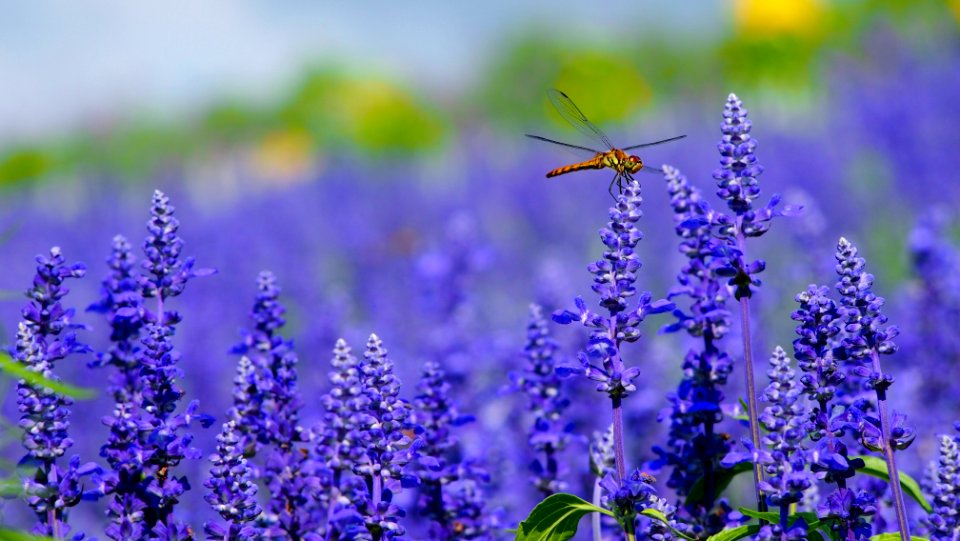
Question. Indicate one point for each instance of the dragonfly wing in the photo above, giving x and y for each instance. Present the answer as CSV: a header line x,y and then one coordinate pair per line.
x,y
654,143
653,170
568,145
572,114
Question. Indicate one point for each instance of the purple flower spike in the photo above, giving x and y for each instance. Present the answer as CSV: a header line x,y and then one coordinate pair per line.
x,y
543,386
785,422
868,337
944,522
266,415
737,176
232,490
166,273
694,447
614,280
44,337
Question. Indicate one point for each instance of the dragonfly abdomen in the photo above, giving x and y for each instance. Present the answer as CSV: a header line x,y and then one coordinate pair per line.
x,y
595,163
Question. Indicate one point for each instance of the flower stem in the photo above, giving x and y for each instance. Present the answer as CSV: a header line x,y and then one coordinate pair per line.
x,y
751,385
595,519
618,438
888,451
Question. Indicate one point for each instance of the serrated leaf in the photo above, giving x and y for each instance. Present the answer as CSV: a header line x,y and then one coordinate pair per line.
x,y
17,370
877,467
659,516
895,536
556,518
723,478
732,534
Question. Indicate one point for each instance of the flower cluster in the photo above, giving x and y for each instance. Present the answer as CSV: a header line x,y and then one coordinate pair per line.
x,y
694,446
232,491
944,522
615,276
46,336
266,413
147,437
544,388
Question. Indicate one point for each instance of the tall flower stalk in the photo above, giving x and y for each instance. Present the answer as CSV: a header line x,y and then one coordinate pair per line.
x,y
868,338
267,401
615,276
540,382
694,446
46,336
737,185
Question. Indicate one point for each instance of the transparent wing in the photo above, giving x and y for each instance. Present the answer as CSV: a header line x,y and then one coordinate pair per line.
x,y
654,143
572,114
568,145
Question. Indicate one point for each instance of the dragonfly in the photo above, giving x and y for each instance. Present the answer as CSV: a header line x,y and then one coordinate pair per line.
x,y
624,165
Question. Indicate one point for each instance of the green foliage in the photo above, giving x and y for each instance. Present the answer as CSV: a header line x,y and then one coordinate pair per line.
x,y
7,534
732,534
24,164
877,467
556,518
895,536
17,370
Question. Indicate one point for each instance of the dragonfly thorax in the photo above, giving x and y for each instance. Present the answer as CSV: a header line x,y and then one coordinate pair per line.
x,y
622,162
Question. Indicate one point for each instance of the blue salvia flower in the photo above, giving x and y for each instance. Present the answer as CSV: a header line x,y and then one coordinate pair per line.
x,y
163,436
868,337
626,498
467,514
615,276
44,337
850,510
540,382
338,444
815,350
266,395
693,446
384,436
785,419
944,522
167,273
232,490
437,413
122,302
44,418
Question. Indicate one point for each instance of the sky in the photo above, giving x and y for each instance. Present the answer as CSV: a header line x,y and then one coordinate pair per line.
x,y
65,64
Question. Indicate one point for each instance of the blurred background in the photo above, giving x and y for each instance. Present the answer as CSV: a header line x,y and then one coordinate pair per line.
x,y
372,155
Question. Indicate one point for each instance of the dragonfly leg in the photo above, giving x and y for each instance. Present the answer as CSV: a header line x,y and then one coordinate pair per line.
x,y
614,180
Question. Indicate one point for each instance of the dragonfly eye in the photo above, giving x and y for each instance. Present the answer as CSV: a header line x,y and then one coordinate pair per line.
x,y
633,159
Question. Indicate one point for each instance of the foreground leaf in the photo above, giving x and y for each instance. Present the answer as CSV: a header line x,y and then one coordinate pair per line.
x,y
14,535
556,518
895,536
877,467
17,370
732,534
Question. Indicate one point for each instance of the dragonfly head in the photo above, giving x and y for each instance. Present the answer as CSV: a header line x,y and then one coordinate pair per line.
x,y
633,164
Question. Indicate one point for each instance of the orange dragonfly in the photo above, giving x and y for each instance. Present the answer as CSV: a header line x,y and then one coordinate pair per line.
x,y
625,165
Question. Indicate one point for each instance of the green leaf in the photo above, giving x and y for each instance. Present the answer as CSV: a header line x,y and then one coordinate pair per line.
x,y
18,370
14,535
659,516
877,467
774,517
732,534
556,518
895,536
722,479
10,488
